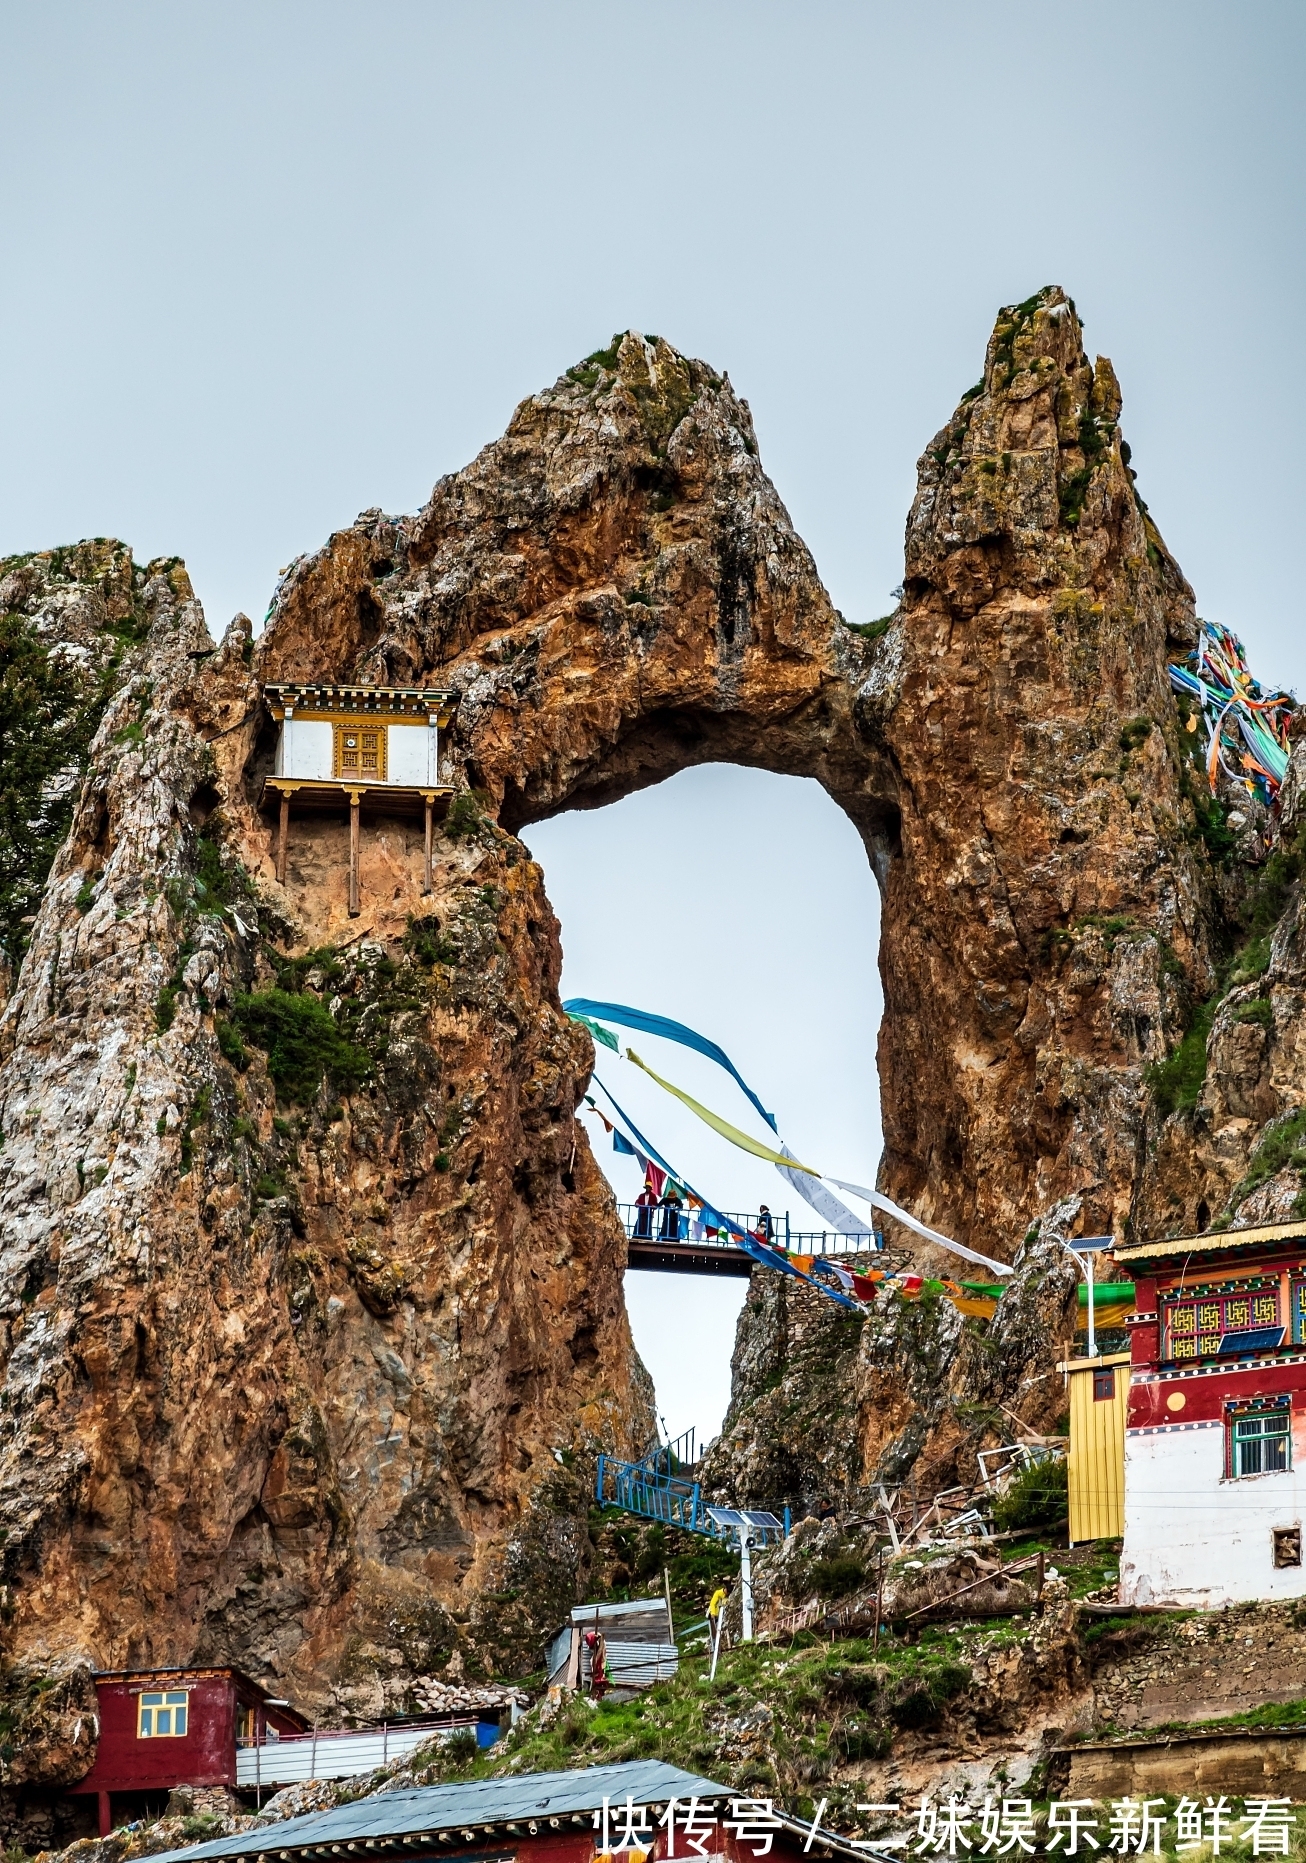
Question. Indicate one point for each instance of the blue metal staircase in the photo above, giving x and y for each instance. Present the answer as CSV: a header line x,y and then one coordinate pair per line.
x,y
655,1488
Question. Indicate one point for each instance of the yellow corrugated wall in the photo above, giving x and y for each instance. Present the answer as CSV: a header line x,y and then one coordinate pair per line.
x,y
1096,1463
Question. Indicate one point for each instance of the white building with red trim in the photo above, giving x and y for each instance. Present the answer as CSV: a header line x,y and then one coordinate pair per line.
x,y
1215,1437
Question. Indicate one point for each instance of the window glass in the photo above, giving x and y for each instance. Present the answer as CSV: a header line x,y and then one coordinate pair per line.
x,y
1104,1384
1299,1312
163,1715
1261,1441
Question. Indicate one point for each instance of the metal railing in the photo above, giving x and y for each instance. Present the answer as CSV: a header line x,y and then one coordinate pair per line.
x,y
668,1222
654,1489
340,1752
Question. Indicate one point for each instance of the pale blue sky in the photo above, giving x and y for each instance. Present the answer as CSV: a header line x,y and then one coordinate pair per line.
x,y
269,264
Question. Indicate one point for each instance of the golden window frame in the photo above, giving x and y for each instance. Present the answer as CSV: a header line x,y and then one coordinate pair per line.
x,y
363,728
156,1701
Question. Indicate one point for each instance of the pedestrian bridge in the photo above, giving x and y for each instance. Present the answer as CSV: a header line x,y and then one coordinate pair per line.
x,y
675,1240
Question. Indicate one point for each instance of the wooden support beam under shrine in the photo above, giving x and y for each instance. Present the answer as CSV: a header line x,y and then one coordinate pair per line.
x,y
426,867
354,796
283,837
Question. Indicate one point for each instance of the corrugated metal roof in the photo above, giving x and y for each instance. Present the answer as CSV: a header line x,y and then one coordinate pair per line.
x,y
1218,1239
588,1613
462,1807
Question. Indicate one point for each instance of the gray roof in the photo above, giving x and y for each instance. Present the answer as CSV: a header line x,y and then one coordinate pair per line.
x,y
472,1812
465,1806
600,1613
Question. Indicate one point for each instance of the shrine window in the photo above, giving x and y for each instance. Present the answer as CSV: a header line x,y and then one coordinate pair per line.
x,y
1286,1542
163,1715
1260,1440
1104,1384
360,752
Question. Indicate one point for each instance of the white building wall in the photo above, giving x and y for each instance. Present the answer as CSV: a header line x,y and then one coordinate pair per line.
x,y
409,754
305,748
1194,1537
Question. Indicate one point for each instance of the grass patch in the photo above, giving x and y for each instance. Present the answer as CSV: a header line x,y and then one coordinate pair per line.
x,y
165,1007
230,1046
198,1113
830,1704
871,630
1281,1145
1070,498
1260,1010
1252,962
1265,903
1212,828
587,373
835,1578
1111,926
303,1044
49,711
1176,1083
219,883
465,817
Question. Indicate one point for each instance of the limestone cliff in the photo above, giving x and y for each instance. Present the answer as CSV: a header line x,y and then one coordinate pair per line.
x,y
309,1278
295,1338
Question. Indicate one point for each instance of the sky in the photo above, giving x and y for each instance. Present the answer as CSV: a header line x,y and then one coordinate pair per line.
x,y
271,264
695,900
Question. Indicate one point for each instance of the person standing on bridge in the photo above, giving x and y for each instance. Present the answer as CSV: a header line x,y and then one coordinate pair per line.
x,y
671,1207
645,1204
765,1230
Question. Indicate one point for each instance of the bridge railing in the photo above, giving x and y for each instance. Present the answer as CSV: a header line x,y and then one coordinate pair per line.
x,y
663,1222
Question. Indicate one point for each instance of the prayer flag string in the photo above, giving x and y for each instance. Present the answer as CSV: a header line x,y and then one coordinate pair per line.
x,y
581,1008
1232,706
803,1178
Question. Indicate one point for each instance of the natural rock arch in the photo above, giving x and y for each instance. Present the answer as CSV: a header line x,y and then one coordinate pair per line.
x,y
616,589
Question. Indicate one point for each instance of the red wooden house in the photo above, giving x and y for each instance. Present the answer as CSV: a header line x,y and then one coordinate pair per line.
x,y
165,1727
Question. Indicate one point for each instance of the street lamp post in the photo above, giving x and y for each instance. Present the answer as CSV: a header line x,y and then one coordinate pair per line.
x,y
1085,1249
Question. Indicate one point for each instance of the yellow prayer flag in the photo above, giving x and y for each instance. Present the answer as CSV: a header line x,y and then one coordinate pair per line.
x,y
723,1126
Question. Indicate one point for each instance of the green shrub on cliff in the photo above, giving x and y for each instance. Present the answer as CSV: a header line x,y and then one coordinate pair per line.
x,y
302,1042
48,714
1177,1081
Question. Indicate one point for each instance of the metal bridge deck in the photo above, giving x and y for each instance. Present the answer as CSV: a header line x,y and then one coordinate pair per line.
x,y
669,1241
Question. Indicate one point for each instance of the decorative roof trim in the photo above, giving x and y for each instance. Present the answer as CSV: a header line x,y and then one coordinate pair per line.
x,y
357,696
1214,1241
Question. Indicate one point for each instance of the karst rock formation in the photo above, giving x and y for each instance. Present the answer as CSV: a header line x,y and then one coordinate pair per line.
x,y
309,1381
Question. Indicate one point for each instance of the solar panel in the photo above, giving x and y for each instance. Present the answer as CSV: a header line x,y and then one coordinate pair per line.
x,y
727,1517
756,1519
1263,1339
